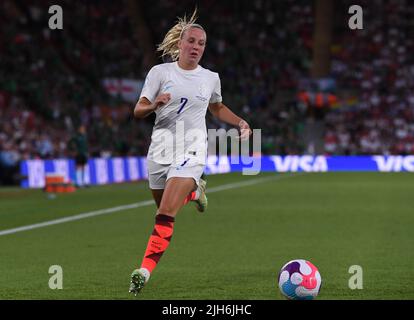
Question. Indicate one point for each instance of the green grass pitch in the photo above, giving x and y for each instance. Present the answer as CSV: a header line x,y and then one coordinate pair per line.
x,y
233,251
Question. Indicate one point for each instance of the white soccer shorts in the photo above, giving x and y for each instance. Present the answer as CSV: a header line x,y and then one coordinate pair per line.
x,y
158,174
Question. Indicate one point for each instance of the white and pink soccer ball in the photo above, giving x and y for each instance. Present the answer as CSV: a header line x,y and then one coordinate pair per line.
x,y
299,280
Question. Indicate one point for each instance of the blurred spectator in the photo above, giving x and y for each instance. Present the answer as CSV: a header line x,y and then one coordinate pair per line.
x,y
78,146
9,164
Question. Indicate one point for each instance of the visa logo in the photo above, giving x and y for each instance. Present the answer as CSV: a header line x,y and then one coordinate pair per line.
x,y
394,163
217,164
300,163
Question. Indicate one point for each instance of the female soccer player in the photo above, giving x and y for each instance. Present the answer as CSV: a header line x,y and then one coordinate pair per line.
x,y
179,93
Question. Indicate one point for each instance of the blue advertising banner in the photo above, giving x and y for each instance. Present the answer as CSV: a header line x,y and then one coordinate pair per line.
x,y
100,171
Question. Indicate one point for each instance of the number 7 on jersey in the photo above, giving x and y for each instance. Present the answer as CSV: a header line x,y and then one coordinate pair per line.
x,y
183,103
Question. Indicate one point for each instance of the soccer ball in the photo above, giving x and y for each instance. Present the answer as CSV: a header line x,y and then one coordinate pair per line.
x,y
299,280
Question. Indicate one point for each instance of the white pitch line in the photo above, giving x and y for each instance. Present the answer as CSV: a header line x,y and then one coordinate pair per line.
x,y
246,183
137,205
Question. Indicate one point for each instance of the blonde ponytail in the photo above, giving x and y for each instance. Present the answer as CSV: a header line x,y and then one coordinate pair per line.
x,y
169,45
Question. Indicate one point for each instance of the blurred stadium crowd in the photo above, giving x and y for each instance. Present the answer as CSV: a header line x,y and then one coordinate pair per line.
x,y
376,65
51,80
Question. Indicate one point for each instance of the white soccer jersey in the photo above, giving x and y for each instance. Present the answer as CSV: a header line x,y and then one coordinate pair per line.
x,y
179,135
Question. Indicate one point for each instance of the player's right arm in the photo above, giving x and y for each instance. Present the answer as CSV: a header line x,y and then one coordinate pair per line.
x,y
144,107
151,98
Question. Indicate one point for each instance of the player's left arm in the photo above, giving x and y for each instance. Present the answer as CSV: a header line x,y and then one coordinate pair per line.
x,y
223,113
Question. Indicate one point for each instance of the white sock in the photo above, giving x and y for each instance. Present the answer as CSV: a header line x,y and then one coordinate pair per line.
x,y
84,177
79,180
146,273
197,194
